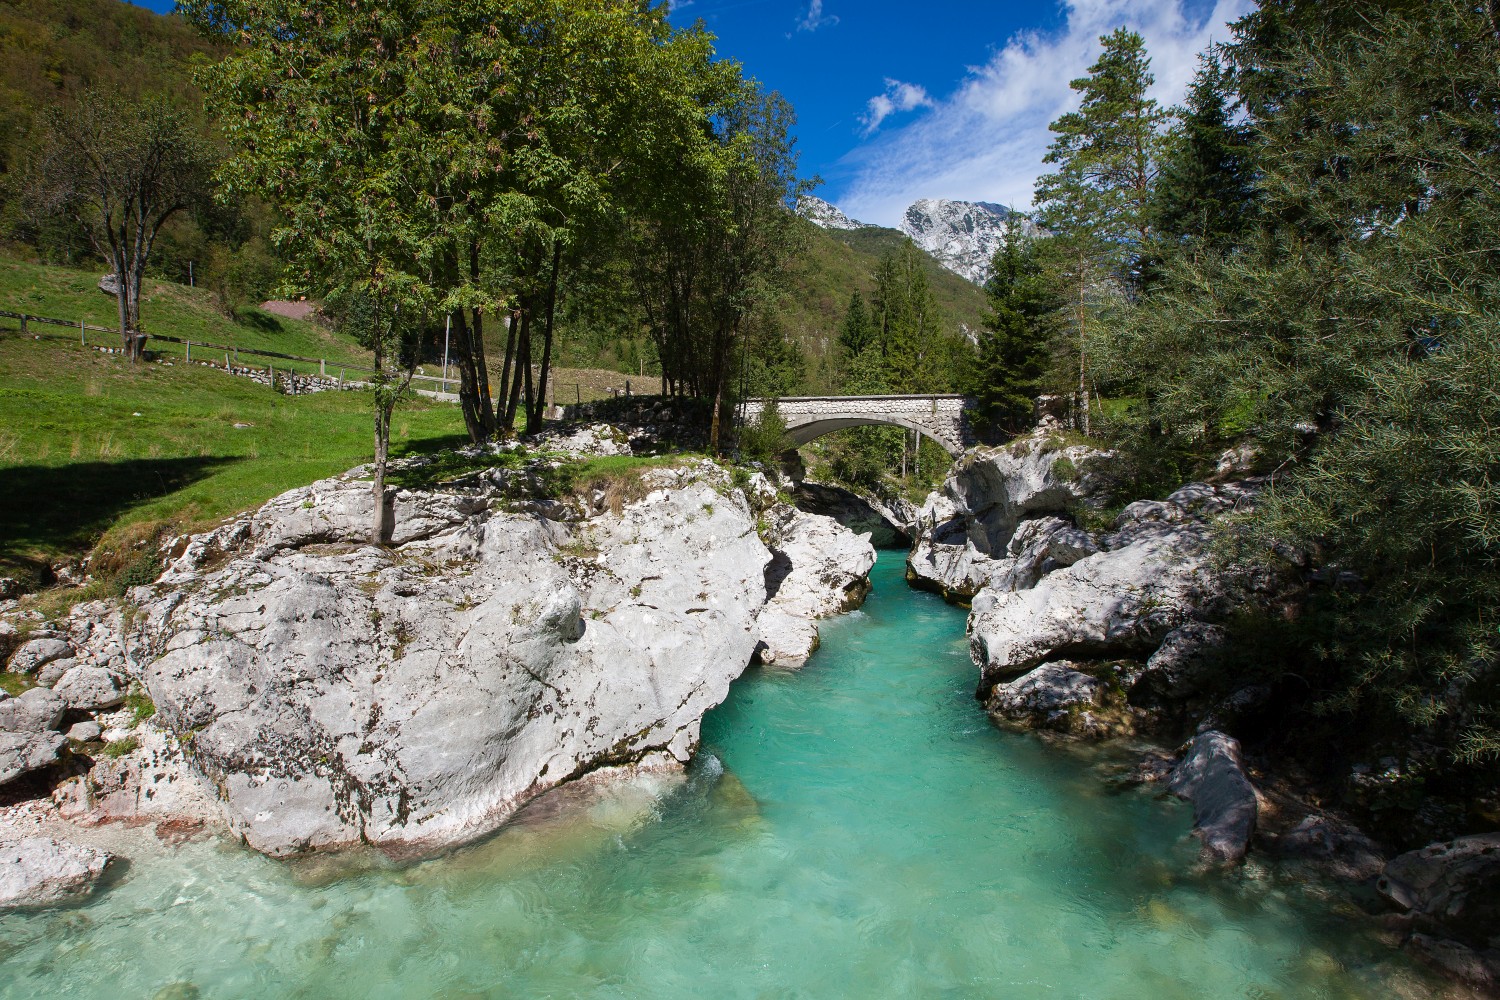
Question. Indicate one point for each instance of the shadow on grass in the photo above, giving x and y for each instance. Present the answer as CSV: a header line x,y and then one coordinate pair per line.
x,y
50,510
257,320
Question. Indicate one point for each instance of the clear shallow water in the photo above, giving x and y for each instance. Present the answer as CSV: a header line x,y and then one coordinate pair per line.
x,y
856,830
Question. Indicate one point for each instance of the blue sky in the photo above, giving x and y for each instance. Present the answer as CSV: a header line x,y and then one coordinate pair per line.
x,y
905,99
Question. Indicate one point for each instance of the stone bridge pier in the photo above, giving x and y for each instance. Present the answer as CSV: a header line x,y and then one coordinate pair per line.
x,y
942,418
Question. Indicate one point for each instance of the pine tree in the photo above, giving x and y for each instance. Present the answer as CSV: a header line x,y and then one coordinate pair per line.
x,y
858,331
1204,189
1095,204
1016,344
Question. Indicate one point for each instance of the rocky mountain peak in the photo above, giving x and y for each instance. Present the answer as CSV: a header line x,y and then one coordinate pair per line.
x,y
821,213
962,235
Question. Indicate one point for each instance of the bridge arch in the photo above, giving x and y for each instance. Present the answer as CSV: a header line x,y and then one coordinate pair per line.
x,y
943,418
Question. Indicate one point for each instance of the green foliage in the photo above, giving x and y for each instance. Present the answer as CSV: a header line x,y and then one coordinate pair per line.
x,y
1019,337
140,706
120,748
765,440
858,330
1106,156
1350,331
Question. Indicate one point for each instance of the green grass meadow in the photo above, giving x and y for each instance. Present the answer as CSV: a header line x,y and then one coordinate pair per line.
x,y
96,449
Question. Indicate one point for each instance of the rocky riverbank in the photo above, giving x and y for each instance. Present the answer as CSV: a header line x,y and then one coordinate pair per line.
x,y
291,685
1090,628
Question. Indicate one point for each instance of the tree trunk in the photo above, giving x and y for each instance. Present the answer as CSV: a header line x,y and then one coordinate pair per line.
x,y
523,361
511,333
534,412
382,527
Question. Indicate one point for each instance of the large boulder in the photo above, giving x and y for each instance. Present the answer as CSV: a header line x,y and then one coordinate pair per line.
x,y
34,711
1152,576
1451,892
23,753
40,871
89,689
1052,696
153,782
335,693
33,654
970,531
818,568
1225,807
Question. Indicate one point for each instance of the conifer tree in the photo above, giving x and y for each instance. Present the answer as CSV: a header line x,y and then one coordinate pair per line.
x,y
1015,346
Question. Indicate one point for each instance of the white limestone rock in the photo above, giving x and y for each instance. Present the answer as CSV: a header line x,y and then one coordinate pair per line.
x,y
818,568
824,215
90,689
33,711
83,732
335,693
23,753
32,655
1047,697
1225,807
41,871
977,531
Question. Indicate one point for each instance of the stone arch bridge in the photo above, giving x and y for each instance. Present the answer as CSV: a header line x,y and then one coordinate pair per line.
x,y
943,418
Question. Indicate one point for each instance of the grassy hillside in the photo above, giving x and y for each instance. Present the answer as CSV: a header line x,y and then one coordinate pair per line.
x,y
52,50
840,262
167,308
96,449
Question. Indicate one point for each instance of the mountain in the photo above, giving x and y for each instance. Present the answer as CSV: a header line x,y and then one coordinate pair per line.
x,y
820,213
962,235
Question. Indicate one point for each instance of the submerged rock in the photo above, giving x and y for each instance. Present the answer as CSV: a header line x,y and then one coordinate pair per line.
x,y
1212,777
1053,696
40,871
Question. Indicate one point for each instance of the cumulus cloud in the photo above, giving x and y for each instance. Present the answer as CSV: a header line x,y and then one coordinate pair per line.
x,y
898,96
985,141
815,18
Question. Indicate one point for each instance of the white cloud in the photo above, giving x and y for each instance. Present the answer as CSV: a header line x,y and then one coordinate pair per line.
x,y
985,141
815,18
898,96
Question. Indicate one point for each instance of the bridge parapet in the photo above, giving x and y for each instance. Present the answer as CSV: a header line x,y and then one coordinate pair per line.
x,y
941,417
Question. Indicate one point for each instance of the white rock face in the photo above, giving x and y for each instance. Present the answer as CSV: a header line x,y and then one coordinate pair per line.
x,y
962,235
818,568
22,753
40,871
414,696
1212,777
89,689
821,213
1152,578
1001,516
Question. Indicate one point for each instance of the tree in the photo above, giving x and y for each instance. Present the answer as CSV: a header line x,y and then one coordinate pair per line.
x,y
121,170
1017,342
1204,190
858,331
311,103
1095,204
1351,334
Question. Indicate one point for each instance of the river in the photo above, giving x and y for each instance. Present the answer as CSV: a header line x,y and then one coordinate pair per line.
x,y
855,830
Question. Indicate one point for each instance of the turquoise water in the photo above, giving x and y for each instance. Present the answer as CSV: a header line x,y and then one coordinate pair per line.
x,y
854,830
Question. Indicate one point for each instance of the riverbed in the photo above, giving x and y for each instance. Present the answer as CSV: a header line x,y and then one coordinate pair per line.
x,y
857,829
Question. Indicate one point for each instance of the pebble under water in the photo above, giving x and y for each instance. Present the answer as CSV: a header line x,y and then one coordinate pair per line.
x,y
856,830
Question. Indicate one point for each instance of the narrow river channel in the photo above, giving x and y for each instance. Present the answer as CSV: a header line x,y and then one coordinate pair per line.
x,y
856,830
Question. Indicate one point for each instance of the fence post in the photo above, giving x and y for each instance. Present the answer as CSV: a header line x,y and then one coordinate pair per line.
x,y
341,380
83,340
323,367
226,361
271,376
187,351
23,324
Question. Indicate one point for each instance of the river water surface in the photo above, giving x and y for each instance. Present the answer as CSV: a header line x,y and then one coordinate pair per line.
x,y
855,830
